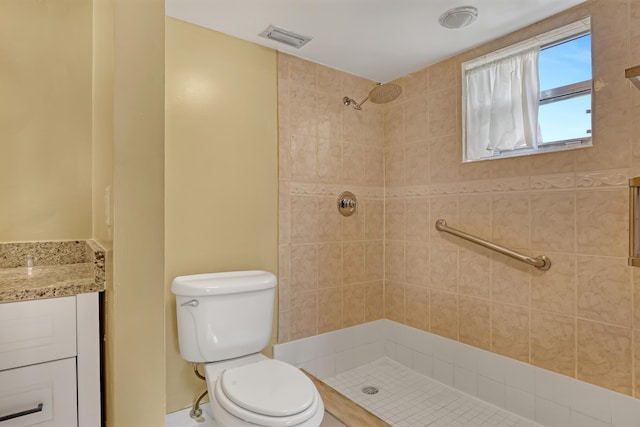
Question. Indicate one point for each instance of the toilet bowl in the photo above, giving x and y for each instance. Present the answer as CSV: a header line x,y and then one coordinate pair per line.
x,y
257,391
224,321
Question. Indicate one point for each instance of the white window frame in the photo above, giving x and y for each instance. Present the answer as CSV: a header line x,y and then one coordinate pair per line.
x,y
546,40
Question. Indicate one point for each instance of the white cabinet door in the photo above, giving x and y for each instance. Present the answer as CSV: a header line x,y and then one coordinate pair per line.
x,y
41,395
37,331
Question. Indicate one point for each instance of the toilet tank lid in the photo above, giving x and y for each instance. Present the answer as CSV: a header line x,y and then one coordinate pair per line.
x,y
229,282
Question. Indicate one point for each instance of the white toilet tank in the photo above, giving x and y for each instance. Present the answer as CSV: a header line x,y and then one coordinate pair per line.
x,y
224,315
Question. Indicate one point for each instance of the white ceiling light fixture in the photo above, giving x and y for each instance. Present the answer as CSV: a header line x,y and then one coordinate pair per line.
x,y
285,36
458,17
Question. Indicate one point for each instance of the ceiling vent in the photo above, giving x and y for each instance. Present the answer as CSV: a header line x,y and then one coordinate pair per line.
x,y
458,17
285,36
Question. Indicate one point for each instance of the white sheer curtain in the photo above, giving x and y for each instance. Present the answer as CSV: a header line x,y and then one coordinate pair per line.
x,y
502,105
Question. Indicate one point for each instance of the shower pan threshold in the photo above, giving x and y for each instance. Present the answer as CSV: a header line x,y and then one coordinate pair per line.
x,y
406,398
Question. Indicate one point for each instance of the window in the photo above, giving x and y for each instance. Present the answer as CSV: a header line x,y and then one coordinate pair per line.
x,y
529,98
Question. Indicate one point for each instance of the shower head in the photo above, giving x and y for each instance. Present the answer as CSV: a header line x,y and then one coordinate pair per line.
x,y
380,94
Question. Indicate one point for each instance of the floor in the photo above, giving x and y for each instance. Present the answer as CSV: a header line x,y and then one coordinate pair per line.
x,y
406,398
182,419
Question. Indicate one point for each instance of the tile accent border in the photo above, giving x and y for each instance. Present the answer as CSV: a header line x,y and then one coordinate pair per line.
x,y
531,392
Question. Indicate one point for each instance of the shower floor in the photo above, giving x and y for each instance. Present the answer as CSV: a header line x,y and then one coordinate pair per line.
x,y
406,398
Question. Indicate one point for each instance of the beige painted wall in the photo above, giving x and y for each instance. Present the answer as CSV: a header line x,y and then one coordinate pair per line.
x,y
136,301
221,186
102,172
45,124
582,317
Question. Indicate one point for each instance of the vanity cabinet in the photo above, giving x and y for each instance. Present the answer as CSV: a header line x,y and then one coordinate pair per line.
x,y
50,362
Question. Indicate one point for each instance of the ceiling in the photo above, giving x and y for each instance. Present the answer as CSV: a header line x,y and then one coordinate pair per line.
x,y
377,39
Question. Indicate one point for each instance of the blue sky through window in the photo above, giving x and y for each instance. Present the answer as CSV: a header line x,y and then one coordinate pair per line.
x,y
560,65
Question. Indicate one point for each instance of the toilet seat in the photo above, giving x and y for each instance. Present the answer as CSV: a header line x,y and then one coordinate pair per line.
x,y
268,393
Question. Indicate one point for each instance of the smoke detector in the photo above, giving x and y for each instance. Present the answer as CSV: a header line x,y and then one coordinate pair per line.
x,y
458,17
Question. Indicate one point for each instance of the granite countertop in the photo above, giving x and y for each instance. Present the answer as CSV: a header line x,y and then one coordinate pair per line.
x,y
34,270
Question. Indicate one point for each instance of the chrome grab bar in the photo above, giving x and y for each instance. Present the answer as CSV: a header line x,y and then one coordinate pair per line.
x,y
540,262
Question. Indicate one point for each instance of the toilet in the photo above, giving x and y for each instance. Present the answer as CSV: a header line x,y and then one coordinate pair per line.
x,y
224,321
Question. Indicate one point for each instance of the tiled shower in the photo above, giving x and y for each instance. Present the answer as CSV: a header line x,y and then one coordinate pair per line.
x,y
402,161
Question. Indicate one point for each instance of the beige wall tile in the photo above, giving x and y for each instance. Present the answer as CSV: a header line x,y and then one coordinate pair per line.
x,y
417,307
604,290
353,227
284,261
395,219
443,74
329,161
474,321
329,220
353,305
394,166
417,264
443,207
302,73
354,164
284,228
510,219
329,265
553,338
374,166
417,163
303,317
553,221
417,219
284,326
328,79
445,155
611,138
353,262
304,157
373,126
510,280
474,215
416,85
604,355
602,222
373,219
443,267
474,271
303,118
553,163
510,167
329,309
555,289
353,125
394,301
394,124
416,119
304,219
330,116
304,268
443,119
510,331
284,295
394,261
373,260
443,312
374,309
609,84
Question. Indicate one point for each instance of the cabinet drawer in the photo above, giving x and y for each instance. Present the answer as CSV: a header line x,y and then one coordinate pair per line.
x,y
42,395
37,331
